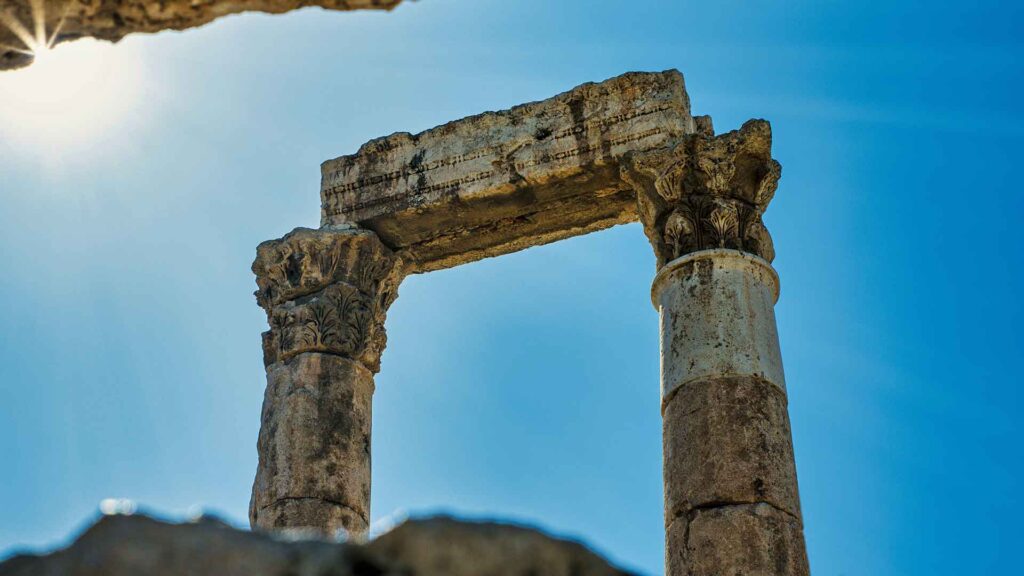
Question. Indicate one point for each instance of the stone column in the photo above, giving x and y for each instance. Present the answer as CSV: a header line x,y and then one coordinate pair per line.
x,y
326,293
731,501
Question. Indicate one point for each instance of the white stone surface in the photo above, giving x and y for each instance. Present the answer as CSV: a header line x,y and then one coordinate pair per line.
x,y
717,319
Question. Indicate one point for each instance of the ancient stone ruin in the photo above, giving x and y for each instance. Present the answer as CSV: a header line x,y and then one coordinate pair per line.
x,y
624,150
602,154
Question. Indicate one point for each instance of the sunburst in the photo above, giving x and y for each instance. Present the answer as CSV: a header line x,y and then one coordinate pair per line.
x,y
37,41
71,94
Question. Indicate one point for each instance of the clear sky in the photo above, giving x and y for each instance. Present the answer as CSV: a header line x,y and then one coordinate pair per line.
x,y
526,387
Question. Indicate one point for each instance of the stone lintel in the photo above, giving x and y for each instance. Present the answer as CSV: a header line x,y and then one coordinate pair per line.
x,y
500,182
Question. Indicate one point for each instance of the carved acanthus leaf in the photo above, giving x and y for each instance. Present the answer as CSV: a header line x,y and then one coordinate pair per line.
x,y
326,291
707,192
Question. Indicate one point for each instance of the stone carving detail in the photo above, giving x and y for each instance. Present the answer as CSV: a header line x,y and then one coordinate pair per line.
x,y
707,192
326,291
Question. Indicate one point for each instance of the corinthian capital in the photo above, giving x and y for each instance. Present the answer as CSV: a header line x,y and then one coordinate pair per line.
x,y
707,192
326,291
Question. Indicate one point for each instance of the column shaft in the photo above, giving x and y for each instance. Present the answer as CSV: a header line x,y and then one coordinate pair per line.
x,y
326,293
731,501
314,446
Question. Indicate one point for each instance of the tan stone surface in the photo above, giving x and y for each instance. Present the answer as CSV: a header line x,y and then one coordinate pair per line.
x,y
136,545
314,447
503,181
742,540
115,19
727,441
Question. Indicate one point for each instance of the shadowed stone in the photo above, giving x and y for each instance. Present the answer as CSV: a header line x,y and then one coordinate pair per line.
x,y
115,19
136,545
314,447
473,549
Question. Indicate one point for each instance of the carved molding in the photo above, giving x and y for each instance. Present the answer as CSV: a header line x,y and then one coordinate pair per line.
x,y
326,291
707,191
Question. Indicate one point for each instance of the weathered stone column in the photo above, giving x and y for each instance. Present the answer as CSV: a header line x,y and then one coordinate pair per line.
x,y
326,293
731,501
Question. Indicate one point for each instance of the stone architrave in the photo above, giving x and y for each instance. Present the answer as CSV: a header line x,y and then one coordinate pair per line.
x,y
731,500
504,181
326,293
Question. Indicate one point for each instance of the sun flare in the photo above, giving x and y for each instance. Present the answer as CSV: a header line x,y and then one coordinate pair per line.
x,y
72,95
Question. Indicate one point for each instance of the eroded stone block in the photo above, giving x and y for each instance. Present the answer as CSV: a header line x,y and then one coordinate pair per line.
x,y
314,446
503,181
728,441
743,540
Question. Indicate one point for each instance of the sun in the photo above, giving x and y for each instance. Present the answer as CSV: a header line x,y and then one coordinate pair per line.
x,y
71,95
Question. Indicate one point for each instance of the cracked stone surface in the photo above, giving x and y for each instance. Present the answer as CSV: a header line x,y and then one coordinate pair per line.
x,y
314,447
728,441
112,20
737,540
134,545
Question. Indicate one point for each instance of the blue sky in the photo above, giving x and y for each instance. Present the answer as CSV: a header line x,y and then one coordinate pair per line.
x,y
526,387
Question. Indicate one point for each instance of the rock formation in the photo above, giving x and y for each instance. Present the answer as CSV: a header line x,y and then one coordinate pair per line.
x,y
26,23
137,545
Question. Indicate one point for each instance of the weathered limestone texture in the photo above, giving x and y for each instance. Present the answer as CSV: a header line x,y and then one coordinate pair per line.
x,y
326,293
731,500
598,155
503,181
707,192
136,545
63,20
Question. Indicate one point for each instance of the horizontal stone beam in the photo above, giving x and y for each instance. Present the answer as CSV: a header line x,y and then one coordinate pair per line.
x,y
504,181
62,20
